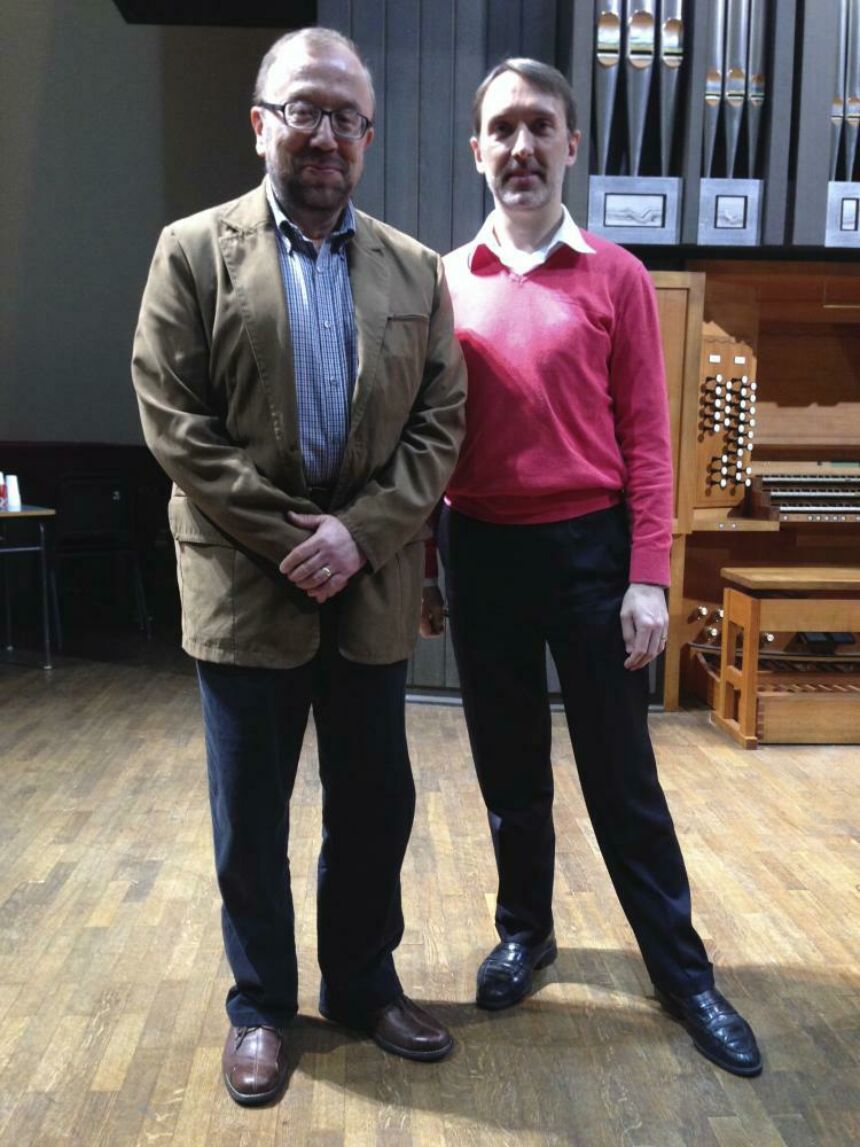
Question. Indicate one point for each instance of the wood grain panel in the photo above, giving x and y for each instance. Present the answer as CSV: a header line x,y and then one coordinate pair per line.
x,y
112,1030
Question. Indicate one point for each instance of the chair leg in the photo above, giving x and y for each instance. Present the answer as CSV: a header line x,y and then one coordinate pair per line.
x,y
144,618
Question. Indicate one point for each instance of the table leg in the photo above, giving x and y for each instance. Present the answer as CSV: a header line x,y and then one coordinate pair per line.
x,y
7,606
43,565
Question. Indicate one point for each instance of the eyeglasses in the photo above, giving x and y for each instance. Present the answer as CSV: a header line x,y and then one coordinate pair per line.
x,y
346,123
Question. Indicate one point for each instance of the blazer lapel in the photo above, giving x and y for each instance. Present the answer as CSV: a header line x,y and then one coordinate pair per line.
x,y
369,278
249,247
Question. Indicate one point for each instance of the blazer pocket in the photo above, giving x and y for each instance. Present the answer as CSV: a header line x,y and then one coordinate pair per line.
x,y
206,572
188,524
404,350
406,336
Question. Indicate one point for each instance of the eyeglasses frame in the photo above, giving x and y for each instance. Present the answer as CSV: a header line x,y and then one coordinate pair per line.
x,y
281,110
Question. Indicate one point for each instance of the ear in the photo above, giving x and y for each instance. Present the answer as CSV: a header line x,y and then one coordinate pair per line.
x,y
475,145
258,124
368,138
572,148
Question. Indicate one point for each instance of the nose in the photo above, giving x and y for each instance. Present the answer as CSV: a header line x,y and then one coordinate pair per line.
x,y
323,136
523,142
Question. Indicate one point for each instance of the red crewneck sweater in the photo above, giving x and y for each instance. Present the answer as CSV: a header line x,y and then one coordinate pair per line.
x,y
567,410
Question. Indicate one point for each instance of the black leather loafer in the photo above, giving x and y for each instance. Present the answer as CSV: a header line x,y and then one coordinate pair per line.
x,y
718,1031
505,977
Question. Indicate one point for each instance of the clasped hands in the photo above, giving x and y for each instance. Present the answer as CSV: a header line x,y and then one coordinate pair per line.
x,y
322,564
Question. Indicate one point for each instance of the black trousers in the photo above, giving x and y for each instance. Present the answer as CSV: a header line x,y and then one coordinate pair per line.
x,y
255,723
511,590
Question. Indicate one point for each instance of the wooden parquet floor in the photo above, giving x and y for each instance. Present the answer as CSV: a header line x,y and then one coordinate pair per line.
x,y
112,976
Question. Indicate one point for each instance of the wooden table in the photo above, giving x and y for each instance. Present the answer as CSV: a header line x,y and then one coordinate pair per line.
x,y
39,514
785,599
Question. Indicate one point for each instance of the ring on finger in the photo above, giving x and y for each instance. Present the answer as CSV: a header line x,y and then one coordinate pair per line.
x,y
326,572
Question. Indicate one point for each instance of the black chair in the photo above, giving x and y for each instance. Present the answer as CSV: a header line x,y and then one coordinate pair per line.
x,y
95,519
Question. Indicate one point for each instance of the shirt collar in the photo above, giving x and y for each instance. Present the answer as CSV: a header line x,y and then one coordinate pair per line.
x,y
566,234
293,235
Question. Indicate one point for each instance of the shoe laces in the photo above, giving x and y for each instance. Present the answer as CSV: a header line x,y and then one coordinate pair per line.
x,y
243,1032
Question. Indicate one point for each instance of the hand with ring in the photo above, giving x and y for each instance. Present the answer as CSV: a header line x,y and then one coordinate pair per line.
x,y
644,623
322,564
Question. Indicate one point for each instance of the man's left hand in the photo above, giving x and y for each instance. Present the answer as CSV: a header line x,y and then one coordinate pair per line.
x,y
323,563
432,612
644,623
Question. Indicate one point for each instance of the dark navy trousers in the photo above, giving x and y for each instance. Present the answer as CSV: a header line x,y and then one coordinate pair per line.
x,y
255,722
511,590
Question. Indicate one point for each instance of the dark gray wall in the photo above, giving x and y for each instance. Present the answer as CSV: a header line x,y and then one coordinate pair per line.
x,y
108,132
427,60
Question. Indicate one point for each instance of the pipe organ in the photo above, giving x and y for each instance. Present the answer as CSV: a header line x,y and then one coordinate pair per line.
x,y
798,494
638,50
768,475
726,425
719,122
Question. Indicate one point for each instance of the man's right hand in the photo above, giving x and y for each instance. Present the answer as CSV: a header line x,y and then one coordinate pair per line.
x,y
323,563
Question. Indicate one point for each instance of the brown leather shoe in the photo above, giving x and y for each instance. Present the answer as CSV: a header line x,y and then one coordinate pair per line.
x,y
406,1029
255,1064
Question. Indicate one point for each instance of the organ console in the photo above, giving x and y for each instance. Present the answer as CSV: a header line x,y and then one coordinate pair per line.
x,y
798,493
768,474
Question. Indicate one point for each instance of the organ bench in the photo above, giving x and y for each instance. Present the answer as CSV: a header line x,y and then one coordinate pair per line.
x,y
790,696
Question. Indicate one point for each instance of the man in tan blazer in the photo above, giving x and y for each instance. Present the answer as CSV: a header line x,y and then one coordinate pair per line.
x,y
299,380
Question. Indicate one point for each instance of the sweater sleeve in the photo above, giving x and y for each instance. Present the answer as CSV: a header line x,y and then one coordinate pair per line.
x,y
638,386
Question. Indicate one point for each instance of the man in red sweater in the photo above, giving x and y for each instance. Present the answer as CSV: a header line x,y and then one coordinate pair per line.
x,y
557,529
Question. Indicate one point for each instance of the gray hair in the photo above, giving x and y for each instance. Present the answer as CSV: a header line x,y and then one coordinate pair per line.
x,y
314,38
542,76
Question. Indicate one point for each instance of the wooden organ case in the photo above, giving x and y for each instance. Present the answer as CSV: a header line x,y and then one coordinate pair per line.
x,y
767,474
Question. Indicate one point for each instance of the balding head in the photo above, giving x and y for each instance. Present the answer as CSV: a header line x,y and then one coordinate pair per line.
x,y
313,121
318,41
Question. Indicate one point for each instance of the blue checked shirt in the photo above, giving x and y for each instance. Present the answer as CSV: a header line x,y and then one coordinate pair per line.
x,y
322,329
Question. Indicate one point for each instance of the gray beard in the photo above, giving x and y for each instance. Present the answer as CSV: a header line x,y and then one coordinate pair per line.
x,y
298,199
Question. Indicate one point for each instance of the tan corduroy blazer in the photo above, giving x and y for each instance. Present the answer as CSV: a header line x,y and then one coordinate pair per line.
x,y
212,367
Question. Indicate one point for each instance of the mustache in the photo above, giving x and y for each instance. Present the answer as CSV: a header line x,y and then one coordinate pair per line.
x,y
321,159
515,169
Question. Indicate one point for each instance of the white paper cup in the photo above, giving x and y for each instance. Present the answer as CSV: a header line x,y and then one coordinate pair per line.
x,y
13,494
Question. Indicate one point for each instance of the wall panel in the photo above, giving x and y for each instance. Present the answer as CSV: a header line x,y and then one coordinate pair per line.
x,y
427,60
778,134
436,108
470,33
402,119
816,86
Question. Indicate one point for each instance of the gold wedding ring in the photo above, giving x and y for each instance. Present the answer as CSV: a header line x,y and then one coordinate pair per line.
x,y
326,572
